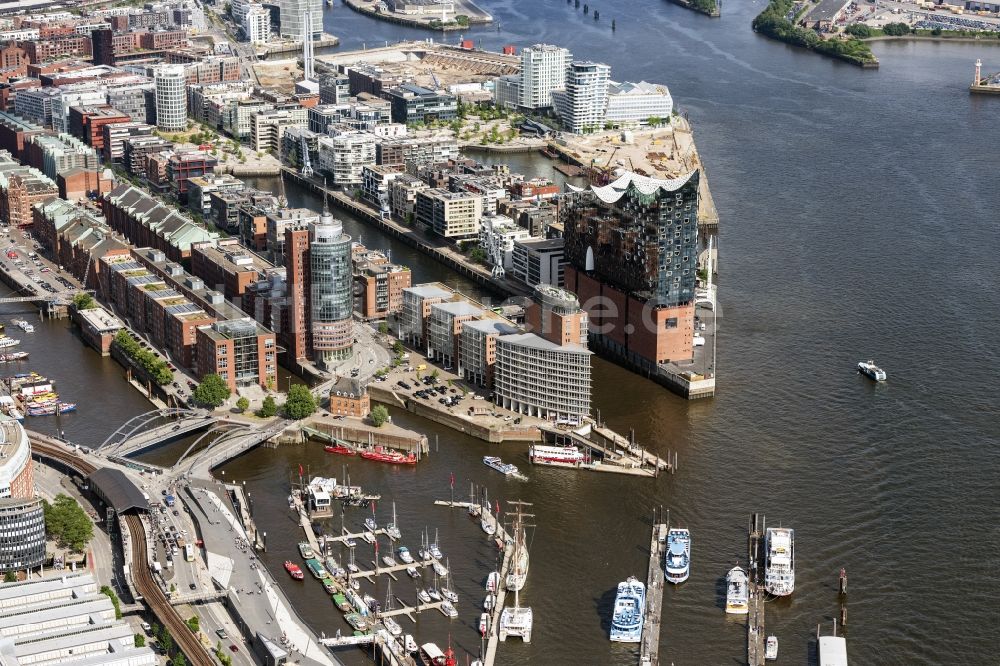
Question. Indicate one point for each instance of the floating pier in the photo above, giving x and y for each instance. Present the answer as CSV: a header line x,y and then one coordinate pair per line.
x,y
505,541
755,618
650,647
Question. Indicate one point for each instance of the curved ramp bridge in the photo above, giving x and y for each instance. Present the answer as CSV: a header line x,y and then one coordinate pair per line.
x,y
154,428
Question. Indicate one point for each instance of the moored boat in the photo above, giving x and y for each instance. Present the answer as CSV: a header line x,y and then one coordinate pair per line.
x,y
392,626
404,555
872,371
357,621
493,581
341,602
381,454
370,524
13,356
412,572
340,449
433,593
677,562
316,569
440,569
294,570
306,550
507,469
489,602
559,456
779,563
771,648
448,609
8,342
484,624
423,596
388,560
737,592
629,611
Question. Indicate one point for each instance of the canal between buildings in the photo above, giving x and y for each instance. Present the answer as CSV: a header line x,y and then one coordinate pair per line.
x,y
858,215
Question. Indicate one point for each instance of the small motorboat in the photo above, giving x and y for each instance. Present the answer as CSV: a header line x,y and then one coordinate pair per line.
x,y
484,624
392,626
404,555
294,570
440,569
388,560
872,371
423,596
409,644
434,594
448,609
413,573
493,581
353,568
340,449
355,585
488,524
350,542
489,602
436,552
771,648
450,595
368,537
370,524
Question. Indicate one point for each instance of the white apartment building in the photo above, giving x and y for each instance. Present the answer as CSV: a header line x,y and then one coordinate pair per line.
x,y
171,97
583,104
497,236
238,9
543,69
634,103
345,156
267,127
257,24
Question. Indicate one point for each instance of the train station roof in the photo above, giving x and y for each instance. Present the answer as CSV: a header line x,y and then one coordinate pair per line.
x,y
117,490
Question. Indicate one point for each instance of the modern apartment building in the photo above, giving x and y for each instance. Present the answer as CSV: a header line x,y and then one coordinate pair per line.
x,y
583,104
257,24
453,215
414,104
344,156
543,69
268,127
635,103
239,351
634,243
540,378
171,97
538,261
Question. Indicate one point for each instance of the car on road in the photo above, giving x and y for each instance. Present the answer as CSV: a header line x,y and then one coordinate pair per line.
x,y
233,648
193,586
175,512
221,633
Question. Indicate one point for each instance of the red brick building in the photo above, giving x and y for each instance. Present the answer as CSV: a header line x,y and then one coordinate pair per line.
x,y
41,50
78,183
19,192
13,63
86,123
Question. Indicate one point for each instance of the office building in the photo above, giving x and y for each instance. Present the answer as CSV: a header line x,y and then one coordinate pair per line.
x,y
342,158
538,261
478,349
199,189
379,284
414,104
54,155
171,97
540,378
453,215
417,303
334,89
239,351
22,523
497,236
268,127
145,222
293,14
331,300
635,103
582,106
349,397
63,619
634,242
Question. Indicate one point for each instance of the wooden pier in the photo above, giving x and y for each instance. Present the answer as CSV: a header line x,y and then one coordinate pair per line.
x,y
620,455
755,590
505,541
650,646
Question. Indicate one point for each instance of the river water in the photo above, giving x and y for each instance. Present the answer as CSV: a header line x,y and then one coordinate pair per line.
x,y
858,213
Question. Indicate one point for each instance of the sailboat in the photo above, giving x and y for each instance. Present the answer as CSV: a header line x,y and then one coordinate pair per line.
x,y
473,507
433,548
424,552
390,624
391,530
519,569
448,591
352,569
486,521
517,620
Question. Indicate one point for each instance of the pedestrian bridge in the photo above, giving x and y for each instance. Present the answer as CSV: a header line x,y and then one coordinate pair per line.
x,y
197,597
154,428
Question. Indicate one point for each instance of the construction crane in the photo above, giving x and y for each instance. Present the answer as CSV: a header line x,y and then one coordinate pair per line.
x,y
601,175
437,84
494,247
307,169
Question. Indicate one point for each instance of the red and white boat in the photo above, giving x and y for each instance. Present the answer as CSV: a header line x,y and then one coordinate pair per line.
x,y
484,623
381,454
293,570
560,456
341,449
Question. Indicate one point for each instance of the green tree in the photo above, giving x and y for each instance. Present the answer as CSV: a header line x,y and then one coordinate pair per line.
x,y
140,640
212,391
379,415
84,301
478,255
179,660
193,623
859,30
68,523
300,402
397,347
383,327
10,577
895,29
435,373
154,366
114,600
268,409
167,641
243,404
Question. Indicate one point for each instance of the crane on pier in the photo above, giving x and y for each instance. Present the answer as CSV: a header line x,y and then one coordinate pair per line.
x,y
307,169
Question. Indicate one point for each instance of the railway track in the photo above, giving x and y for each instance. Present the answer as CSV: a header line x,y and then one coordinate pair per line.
x,y
143,579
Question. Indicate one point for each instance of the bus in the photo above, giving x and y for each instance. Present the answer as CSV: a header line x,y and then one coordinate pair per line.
x,y
189,552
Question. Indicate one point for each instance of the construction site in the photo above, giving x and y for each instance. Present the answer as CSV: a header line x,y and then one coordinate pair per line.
x,y
428,64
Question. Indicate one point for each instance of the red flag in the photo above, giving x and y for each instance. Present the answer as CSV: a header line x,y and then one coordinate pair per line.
x,y
376,548
300,469
498,508
452,479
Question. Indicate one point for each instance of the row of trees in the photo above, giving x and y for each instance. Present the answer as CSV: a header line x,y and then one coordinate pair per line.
x,y
156,367
84,301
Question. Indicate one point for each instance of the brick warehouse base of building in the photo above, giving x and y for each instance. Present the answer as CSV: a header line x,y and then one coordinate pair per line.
x,y
624,327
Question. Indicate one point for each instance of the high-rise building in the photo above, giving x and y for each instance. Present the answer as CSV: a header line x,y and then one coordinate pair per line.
x,y
543,69
631,249
171,97
331,293
583,105
257,24
22,522
293,17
